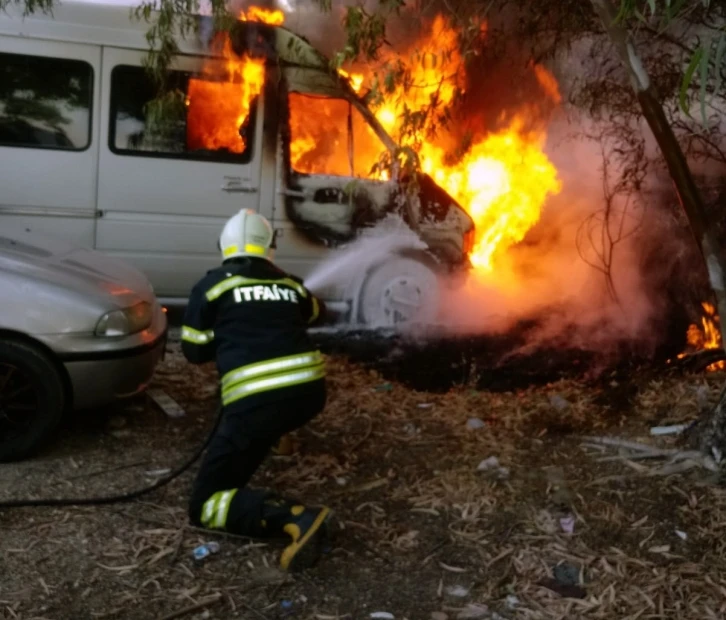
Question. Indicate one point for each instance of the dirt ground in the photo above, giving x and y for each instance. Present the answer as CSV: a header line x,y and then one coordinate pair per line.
x,y
426,526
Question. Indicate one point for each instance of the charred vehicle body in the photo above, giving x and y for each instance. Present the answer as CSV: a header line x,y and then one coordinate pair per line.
x,y
156,193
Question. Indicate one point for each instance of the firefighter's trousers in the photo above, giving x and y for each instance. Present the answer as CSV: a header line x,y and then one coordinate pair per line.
x,y
220,498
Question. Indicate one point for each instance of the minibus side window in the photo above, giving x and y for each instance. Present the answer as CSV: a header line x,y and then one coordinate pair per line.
x,y
45,102
196,125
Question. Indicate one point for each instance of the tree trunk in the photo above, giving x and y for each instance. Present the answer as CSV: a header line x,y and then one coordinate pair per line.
x,y
713,437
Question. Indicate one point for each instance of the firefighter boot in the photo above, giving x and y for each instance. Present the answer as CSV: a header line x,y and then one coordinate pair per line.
x,y
307,527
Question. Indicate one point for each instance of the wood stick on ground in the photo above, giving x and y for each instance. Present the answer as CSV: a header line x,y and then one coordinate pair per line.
x,y
632,445
675,468
195,607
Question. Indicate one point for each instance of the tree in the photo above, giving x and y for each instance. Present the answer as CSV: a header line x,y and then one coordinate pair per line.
x,y
713,439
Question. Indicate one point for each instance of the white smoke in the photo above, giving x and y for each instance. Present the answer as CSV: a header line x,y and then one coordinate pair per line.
x,y
343,270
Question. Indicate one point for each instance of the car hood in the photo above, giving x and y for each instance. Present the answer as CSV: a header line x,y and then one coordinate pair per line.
x,y
62,265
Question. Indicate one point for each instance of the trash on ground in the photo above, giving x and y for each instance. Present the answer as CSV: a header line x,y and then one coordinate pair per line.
x,y
660,549
567,574
425,406
286,604
207,549
166,403
491,465
681,534
458,591
475,423
383,615
511,601
567,524
673,429
488,464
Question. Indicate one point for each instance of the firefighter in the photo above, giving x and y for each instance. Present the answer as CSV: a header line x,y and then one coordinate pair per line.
x,y
252,318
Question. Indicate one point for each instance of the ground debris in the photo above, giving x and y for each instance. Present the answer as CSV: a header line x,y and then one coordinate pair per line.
x,y
413,516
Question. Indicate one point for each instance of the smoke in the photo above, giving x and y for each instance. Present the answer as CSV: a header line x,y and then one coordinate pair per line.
x,y
554,277
341,273
583,288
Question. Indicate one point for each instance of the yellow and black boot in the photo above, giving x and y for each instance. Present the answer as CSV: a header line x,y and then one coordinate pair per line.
x,y
308,528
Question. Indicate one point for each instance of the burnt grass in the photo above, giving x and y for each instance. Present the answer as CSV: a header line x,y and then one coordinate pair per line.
x,y
495,362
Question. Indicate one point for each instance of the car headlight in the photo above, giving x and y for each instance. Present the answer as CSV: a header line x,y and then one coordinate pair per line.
x,y
125,322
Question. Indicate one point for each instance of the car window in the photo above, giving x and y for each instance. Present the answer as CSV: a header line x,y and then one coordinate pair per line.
x,y
45,102
321,141
206,122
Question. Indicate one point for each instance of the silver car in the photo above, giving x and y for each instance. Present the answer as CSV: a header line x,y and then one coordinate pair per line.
x,y
77,330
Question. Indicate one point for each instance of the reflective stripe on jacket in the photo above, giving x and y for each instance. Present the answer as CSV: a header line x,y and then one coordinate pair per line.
x,y
252,318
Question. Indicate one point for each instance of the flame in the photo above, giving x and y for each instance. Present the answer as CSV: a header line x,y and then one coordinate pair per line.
x,y
266,16
705,337
502,180
219,102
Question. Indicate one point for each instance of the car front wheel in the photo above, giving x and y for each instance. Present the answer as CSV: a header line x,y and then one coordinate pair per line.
x,y
32,399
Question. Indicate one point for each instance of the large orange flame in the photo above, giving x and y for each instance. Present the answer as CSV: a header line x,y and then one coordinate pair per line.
x,y
219,101
502,180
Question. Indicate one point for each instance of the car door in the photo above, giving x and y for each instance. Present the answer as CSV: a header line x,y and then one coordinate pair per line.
x,y
328,190
49,94
166,189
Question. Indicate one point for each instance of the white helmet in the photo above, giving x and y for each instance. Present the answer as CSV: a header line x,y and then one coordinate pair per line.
x,y
246,234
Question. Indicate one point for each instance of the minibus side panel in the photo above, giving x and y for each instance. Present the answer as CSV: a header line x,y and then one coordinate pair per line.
x,y
49,136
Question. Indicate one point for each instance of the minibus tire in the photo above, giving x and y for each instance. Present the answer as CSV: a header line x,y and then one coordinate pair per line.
x,y
402,272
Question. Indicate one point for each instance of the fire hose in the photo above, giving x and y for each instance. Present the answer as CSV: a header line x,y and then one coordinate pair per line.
x,y
124,497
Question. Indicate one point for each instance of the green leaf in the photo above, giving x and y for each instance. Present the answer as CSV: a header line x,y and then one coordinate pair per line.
x,y
704,81
687,80
651,4
627,7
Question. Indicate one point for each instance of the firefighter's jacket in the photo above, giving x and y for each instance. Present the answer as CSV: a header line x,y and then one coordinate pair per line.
x,y
252,317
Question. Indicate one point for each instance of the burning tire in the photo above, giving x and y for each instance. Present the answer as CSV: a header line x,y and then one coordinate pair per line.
x,y
400,291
